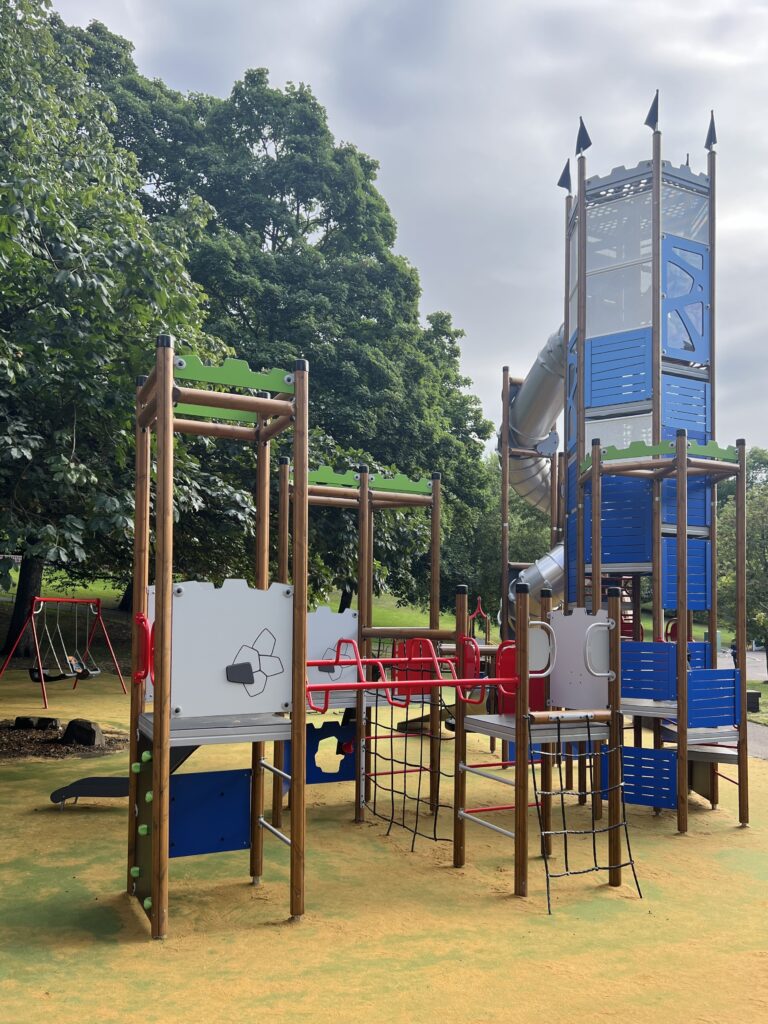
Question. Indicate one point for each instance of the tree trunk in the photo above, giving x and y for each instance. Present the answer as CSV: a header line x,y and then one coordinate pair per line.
x,y
126,601
29,586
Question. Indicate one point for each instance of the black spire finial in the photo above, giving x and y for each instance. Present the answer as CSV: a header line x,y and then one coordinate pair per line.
x,y
711,133
564,181
583,140
652,118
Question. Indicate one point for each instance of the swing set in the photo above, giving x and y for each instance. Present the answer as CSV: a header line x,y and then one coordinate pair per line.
x,y
54,658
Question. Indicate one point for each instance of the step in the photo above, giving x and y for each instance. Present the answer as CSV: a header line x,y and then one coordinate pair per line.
x,y
643,708
503,728
199,732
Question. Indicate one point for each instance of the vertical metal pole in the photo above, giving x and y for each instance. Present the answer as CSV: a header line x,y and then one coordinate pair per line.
x,y
299,660
548,749
714,783
522,710
681,459
262,583
741,626
283,531
615,737
161,706
363,618
656,569
580,355
434,623
140,581
460,735
505,504
553,502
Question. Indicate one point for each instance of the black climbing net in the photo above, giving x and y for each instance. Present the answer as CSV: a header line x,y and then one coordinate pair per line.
x,y
590,757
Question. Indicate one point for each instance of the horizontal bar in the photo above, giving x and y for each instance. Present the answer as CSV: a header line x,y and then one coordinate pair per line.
x,y
226,400
727,778
486,824
68,600
488,810
147,389
551,717
268,766
275,427
486,775
406,633
145,417
275,832
713,465
203,428
320,502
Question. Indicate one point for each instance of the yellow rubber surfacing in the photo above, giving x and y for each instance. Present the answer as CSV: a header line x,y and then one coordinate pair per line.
x,y
389,936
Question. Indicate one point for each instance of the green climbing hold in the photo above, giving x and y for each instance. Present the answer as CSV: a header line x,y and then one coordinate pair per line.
x,y
147,904
148,797
136,767
146,757
143,830
135,872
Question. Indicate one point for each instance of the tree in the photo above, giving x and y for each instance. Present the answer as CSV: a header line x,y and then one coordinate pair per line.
x,y
299,260
757,562
86,282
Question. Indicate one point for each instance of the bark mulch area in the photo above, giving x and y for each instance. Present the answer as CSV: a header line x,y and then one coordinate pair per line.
x,y
16,744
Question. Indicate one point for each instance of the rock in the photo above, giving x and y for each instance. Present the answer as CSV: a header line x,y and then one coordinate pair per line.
x,y
6,723
48,723
25,722
753,700
87,734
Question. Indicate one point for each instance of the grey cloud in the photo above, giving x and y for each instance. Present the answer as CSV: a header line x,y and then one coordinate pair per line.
x,y
471,110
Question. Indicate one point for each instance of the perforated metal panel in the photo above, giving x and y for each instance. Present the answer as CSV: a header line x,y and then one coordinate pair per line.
x,y
572,685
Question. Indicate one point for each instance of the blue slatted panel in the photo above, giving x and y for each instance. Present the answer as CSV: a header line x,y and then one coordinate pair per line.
x,y
685,404
699,582
713,698
650,776
618,369
648,670
698,654
570,530
699,498
626,520
210,812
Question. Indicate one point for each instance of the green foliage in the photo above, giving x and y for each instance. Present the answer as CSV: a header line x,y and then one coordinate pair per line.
x,y
757,558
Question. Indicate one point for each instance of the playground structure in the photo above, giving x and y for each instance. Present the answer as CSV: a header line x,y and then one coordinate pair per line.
x,y
72,661
633,368
234,663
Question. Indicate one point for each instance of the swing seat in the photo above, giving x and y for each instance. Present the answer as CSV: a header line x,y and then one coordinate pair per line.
x,y
48,677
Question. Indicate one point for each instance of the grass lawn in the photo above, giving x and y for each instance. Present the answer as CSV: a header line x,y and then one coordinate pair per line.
x,y
760,716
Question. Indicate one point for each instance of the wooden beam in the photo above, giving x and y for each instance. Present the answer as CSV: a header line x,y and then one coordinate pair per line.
x,y
615,737
460,736
274,427
522,710
262,583
283,576
434,623
238,403
741,627
204,428
363,616
681,459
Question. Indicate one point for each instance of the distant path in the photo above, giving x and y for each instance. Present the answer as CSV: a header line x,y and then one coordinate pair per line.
x,y
757,737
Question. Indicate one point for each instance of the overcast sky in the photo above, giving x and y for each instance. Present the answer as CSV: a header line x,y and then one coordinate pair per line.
x,y
471,107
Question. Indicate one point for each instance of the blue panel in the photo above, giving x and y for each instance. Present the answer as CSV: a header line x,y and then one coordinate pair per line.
x,y
344,736
714,697
210,812
626,520
617,369
698,654
699,581
699,501
650,776
685,404
685,320
648,670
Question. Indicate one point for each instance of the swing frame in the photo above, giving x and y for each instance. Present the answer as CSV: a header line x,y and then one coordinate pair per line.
x,y
37,605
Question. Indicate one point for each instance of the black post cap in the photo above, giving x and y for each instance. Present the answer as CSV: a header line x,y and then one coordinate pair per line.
x,y
262,394
436,476
141,380
164,341
595,441
522,588
614,591
284,460
301,364
462,588
682,432
546,591
362,468
741,443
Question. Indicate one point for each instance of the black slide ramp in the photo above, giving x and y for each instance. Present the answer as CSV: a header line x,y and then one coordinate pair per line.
x,y
110,785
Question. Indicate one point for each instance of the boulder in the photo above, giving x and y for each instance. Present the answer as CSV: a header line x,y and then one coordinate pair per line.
x,y
48,723
753,700
25,722
83,732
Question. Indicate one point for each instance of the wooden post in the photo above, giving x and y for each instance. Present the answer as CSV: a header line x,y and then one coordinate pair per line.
x,y
434,623
363,619
367,650
681,459
283,532
548,749
262,583
554,511
161,705
714,776
299,659
460,735
140,581
596,484
504,630
741,626
522,709
656,566
614,737
637,633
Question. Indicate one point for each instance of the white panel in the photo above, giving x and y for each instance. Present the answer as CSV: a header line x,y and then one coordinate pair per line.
x,y
324,630
233,625
538,649
621,431
572,685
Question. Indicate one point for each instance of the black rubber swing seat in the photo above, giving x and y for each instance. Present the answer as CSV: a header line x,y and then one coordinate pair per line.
x,y
48,677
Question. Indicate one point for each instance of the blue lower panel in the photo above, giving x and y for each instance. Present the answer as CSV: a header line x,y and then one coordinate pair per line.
x,y
699,576
650,776
625,520
345,748
210,812
714,698
648,670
